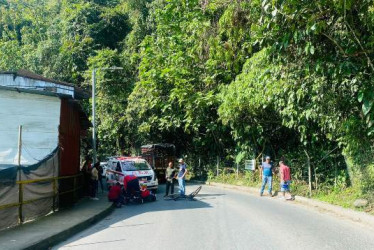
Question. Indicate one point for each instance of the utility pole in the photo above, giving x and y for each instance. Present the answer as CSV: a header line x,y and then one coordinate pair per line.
x,y
93,116
94,154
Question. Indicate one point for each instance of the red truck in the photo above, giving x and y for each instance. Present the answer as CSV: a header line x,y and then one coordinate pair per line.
x,y
158,156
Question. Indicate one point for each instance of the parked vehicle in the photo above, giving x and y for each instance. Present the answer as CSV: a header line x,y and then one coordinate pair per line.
x,y
104,165
159,155
120,166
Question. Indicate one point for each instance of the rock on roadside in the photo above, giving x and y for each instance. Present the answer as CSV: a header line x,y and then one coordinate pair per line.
x,y
360,203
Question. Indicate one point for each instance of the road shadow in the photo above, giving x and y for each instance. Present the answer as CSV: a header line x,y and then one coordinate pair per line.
x,y
209,195
128,211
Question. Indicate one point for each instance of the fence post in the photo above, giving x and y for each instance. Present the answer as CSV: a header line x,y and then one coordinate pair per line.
x,y
20,215
54,194
217,165
309,173
315,179
335,174
237,170
19,144
20,188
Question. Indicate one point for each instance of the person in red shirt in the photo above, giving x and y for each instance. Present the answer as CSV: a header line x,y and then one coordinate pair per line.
x,y
285,178
131,185
127,179
115,195
146,194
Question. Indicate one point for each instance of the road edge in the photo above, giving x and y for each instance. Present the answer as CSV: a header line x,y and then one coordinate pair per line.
x,y
53,240
353,215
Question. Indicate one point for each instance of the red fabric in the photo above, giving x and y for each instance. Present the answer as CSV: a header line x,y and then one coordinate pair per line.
x,y
285,172
114,192
127,179
145,193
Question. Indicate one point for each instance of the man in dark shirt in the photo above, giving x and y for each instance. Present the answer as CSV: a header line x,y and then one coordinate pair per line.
x,y
267,175
131,184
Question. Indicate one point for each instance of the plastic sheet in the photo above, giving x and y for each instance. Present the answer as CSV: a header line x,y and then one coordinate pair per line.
x,y
37,196
8,195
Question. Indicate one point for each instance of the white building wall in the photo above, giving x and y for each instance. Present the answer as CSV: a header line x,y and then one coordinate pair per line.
x,y
39,116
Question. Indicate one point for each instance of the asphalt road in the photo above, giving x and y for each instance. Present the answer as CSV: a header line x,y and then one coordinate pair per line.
x,y
221,219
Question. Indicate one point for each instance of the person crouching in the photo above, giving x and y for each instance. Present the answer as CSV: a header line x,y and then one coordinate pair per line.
x,y
146,194
115,195
131,185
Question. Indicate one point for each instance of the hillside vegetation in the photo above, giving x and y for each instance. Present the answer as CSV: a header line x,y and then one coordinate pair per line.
x,y
228,78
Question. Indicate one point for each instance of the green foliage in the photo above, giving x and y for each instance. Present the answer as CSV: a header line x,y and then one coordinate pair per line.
x,y
344,197
173,99
234,79
56,38
243,179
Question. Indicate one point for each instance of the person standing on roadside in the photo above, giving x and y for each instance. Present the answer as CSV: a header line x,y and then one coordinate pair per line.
x,y
94,181
267,175
100,171
181,177
86,168
285,180
170,176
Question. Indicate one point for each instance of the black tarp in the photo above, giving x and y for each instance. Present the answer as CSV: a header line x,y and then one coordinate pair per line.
x,y
40,193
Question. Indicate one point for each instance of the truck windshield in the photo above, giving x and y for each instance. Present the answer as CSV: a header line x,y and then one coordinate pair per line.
x,y
134,166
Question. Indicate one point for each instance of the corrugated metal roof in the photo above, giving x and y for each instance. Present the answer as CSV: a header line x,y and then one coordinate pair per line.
x,y
79,93
31,75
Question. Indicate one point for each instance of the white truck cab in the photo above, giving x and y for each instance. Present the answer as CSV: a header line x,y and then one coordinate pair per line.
x,y
121,166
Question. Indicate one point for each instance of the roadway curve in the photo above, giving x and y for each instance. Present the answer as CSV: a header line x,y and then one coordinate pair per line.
x,y
221,219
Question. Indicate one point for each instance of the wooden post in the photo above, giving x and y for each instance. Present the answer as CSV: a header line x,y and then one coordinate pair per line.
x,y
19,144
217,165
20,188
315,179
335,174
54,194
309,173
237,170
20,215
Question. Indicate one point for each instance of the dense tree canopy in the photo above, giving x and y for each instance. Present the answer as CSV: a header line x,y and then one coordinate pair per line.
x,y
215,77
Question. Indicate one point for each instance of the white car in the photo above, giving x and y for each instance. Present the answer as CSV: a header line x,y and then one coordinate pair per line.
x,y
120,166
104,165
